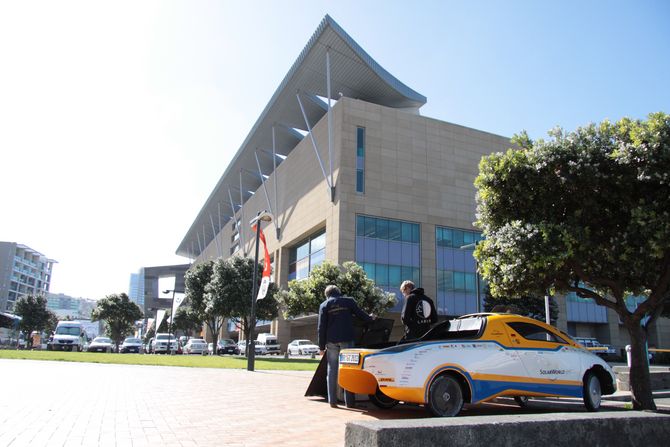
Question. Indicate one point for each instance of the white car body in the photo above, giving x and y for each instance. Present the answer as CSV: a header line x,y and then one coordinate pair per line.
x,y
101,344
160,343
488,355
69,336
268,344
195,346
302,347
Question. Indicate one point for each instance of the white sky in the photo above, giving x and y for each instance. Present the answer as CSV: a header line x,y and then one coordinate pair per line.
x,y
118,118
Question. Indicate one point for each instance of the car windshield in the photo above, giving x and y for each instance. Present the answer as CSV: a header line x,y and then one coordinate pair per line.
x,y
132,340
67,330
305,342
163,337
102,340
194,341
226,342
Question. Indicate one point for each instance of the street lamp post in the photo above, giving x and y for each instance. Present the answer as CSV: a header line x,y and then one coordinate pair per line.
x,y
262,216
479,301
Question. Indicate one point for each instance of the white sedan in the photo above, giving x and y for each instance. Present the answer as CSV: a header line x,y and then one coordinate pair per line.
x,y
101,344
195,346
302,347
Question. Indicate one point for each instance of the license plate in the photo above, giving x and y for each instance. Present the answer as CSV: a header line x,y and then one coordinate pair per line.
x,y
351,358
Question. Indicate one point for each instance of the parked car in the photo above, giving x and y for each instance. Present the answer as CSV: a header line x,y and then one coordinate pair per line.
x,y
302,347
101,344
258,349
195,346
160,344
476,358
131,344
227,346
268,343
69,336
594,345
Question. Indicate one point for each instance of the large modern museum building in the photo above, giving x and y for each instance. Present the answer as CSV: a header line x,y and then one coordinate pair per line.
x,y
365,178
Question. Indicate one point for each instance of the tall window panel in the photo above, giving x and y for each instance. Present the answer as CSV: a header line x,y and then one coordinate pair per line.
x,y
360,160
307,255
584,310
389,251
455,271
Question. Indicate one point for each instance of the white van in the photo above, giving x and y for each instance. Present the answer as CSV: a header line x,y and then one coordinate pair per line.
x,y
69,336
268,343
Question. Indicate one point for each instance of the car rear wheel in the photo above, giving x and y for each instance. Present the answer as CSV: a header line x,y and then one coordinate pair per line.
x,y
381,400
445,397
592,391
521,401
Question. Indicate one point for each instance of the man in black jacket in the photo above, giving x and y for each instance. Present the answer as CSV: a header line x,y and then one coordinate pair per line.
x,y
336,331
418,313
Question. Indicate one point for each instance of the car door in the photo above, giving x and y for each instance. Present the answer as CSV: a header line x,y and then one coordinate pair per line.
x,y
544,354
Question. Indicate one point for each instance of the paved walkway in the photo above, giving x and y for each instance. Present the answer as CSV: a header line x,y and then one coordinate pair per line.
x,y
87,404
72,404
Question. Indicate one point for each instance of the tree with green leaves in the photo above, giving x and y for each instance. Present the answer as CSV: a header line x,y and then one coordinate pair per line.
x,y
119,315
209,312
229,293
305,296
34,315
531,306
186,320
586,212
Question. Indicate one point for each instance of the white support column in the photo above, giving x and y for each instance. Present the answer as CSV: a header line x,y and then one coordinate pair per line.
x,y
265,190
239,229
274,171
237,222
216,239
314,145
330,127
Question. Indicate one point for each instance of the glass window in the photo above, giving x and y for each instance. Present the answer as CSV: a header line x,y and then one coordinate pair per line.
x,y
317,259
318,243
416,238
395,231
302,251
531,331
382,276
382,229
307,255
360,181
360,141
406,232
370,227
360,225
395,277
360,159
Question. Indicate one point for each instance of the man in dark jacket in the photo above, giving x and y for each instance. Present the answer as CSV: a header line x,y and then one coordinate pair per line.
x,y
336,331
418,313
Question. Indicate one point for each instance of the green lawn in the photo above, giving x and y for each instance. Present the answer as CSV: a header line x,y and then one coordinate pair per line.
x,y
192,361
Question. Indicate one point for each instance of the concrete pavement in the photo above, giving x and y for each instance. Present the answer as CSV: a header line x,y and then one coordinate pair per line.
x,y
86,404
59,403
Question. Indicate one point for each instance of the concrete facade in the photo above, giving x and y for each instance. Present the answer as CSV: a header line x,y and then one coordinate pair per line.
x,y
23,271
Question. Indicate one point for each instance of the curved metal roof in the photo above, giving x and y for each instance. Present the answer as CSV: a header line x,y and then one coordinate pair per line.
x,y
353,74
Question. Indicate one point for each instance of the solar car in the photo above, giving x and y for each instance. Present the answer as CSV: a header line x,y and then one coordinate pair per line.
x,y
476,358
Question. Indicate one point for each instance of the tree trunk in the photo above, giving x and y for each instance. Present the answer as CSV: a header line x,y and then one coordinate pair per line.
x,y
640,380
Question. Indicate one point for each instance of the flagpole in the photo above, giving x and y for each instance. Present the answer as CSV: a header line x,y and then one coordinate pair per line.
x,y
256,221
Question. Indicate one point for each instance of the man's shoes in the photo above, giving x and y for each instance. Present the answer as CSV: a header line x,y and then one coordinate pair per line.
x,y
333,405
351,405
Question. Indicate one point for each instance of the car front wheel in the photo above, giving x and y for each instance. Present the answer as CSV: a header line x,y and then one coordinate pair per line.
x,y
381,400
592,391
445,397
